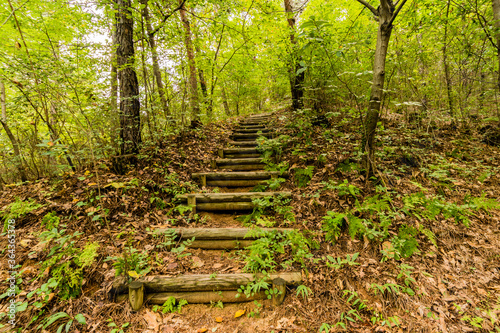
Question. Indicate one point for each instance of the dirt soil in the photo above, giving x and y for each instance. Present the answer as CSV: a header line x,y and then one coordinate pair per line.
x,y
456,281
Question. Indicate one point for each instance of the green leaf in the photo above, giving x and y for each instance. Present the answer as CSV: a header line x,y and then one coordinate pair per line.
x,y
80,319
55,317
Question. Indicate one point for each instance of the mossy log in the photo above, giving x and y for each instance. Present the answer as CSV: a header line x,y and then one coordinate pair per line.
x,y
210,282
234,183
240,161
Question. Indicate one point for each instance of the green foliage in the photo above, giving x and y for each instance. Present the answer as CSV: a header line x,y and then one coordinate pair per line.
x,y
272,147
343,188
115,328
303,176
131,261
338,263
269,205
171,305
18,209
272,184
67,262
65,326
50,221
292,246
332,224
304,291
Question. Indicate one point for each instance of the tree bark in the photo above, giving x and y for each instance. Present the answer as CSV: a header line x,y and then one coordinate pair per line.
x,y
18,162
386,14
445,63
193,82
154,56
496,17
296,80
224,101
130,121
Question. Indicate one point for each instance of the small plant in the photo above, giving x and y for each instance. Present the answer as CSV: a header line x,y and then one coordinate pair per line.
x,y
338,263
50,221
79,318
18,209
304,176
343,189
66,262
171,305
332,224
304,291
131,264
115,327
269,205
273,184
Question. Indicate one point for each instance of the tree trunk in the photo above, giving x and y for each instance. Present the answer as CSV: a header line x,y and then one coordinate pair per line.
x,y
296,80
18,162
224,101
446,65
193,83
496,17
377,91
130,121
154,55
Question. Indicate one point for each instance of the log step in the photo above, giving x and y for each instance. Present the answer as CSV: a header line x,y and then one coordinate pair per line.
x,y
250,143
219,238
231,197
250,136
253,130
204,282
238,201
234,179
239,153
238,164
263,127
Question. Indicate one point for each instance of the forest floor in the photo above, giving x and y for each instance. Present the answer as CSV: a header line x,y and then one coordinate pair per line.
x,y
424,256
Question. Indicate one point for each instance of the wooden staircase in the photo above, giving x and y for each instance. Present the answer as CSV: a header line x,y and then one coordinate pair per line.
x,y
238,166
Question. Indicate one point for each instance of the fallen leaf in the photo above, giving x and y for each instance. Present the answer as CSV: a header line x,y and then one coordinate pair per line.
x,y
150,318
133,274
219,319
239,313
202,330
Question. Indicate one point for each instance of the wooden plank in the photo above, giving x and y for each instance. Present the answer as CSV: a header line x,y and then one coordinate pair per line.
x,y
240,150
219,233
236,175
248,167
235,183
242,155
209,282
247,136
253,130
249,143
234,197
223,161
202,297
225,206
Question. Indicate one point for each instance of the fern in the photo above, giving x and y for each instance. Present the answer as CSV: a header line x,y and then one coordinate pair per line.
x,y
303,176
332,223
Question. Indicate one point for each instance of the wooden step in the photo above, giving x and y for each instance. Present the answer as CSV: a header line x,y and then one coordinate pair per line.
x,y
254,122
249,136
237,201
253,130
219,238
249,143
238,163
234,179
200,288
239,153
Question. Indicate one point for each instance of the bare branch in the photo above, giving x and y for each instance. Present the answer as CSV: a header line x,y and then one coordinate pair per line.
x,y
370,7
396,13
166,18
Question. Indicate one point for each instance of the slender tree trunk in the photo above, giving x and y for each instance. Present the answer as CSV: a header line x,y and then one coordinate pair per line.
x,y
446,65
296,80
496,17
224,101
193,83
386,15
154,55
114,73
130,121
18,161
